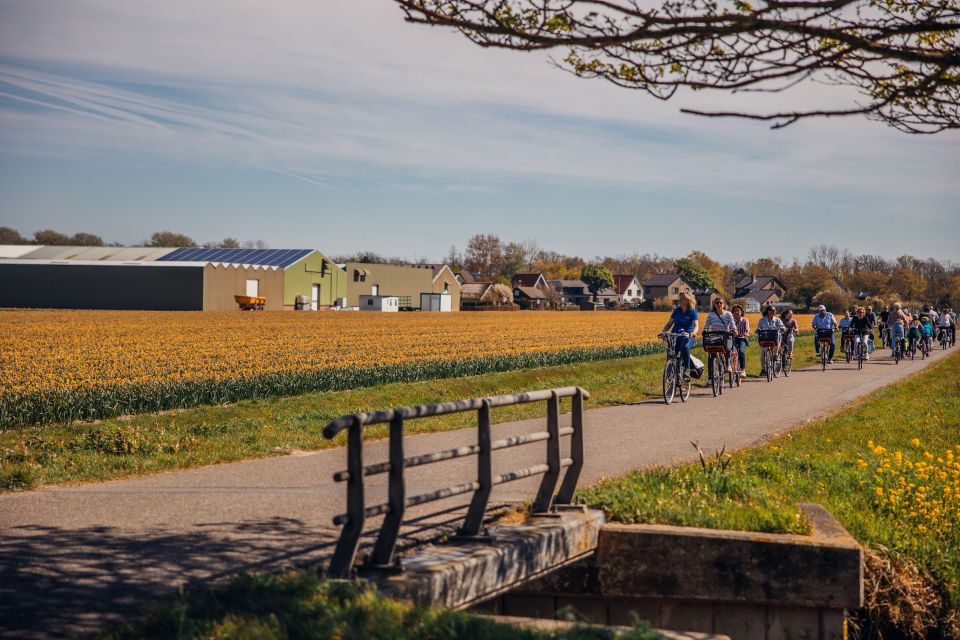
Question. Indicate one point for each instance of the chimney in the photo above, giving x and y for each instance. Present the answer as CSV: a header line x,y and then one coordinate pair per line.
x,y
753,278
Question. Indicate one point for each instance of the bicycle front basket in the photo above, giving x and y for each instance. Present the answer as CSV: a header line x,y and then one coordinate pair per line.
x,y
714,340
824,334
768,337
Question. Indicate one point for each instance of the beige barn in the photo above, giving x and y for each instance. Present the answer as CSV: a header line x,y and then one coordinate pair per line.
x,y
406,282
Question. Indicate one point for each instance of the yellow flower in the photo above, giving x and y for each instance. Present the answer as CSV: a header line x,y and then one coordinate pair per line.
x,y
915,442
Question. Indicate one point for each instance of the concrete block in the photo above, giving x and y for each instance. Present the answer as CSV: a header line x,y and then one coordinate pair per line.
x,y
741,621
688,563
680,615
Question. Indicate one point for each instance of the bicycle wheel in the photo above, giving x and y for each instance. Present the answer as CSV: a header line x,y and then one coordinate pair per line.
x,y
861,349
734,371
896,353
777,364
669,380
768,364
685,388
787,365
823,355
848,352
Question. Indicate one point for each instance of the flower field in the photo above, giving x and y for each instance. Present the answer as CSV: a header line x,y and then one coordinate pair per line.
x,y
57,366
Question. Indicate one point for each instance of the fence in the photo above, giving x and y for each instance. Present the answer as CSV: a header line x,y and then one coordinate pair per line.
x,y
383,556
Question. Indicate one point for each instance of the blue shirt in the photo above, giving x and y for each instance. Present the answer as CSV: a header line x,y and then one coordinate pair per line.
x,y
827,321
683,320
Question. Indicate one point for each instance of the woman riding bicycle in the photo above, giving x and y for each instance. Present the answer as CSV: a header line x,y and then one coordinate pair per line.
x,y
844,325
684,319
768,322
720,320
791,328
860,327
742,339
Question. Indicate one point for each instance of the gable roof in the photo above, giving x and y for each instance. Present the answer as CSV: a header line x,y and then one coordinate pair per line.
x,y
531,292
623,282
662,279
474,289
526,279
568,284
760,295
758,282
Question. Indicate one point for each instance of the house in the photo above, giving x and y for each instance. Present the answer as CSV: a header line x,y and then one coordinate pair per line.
x,y
406,282
669,285
532,298
472,293
573,292
385,304
706,297
607,297
152,278
628,289
762,290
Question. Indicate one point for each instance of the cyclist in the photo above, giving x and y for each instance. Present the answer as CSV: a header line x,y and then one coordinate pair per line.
x,y
743,335
684,319
769,321
898,322
926,330
882,325
790,331
860,323
872,318
946,324
914,334
720,320
825,320
845,331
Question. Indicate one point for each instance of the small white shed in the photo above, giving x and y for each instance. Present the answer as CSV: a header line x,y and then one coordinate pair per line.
x,y
380,303
436,302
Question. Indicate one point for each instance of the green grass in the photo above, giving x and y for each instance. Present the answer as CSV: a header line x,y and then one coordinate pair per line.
x,y
302,605
119,447
833,462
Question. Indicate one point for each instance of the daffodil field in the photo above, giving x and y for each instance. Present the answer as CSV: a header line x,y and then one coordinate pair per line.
x,y
58,366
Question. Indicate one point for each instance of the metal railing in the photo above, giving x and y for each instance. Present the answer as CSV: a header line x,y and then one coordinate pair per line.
x,y
384,550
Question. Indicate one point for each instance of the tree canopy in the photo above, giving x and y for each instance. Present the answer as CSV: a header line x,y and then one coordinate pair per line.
x,y
170,239
901,56
596,277
694,273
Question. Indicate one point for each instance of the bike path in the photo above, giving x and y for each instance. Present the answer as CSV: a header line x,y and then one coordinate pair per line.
x,y
73,557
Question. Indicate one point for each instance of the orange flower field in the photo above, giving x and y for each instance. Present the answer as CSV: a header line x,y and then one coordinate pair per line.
x,y
63,365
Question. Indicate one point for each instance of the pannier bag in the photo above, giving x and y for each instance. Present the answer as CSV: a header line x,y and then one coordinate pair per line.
x,y
768,337
696,367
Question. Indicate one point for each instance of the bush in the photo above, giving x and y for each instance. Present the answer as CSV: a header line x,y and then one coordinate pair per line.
x,y
663,303
834,299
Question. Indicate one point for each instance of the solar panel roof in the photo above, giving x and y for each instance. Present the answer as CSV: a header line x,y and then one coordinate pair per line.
x,y
262,257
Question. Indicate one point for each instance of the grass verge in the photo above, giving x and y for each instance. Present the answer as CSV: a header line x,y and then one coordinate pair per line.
x,y
302,605
119,447
888,468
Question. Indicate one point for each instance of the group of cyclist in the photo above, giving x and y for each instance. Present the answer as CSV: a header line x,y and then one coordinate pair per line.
x,y
907,330
857,328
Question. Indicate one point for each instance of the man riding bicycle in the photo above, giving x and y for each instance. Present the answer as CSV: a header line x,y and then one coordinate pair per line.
x,y
825,320
684,319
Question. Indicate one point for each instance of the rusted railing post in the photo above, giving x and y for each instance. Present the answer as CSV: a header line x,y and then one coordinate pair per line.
x,y
396,499
478,505
549,483
346,551
570,478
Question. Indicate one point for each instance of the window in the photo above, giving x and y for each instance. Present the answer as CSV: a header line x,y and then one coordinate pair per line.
x,y
676,290
253,287
629,292
369,302
375,290
446,287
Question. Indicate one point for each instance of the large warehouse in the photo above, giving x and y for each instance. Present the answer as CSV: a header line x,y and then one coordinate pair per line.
x,y
167,279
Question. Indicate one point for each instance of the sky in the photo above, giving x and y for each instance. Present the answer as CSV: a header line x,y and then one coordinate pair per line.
x,y
334,124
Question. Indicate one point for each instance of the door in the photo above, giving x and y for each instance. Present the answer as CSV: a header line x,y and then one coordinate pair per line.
x,y
253,287
315,297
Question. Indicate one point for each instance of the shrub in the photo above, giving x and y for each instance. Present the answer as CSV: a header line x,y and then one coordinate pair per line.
x,y
663,303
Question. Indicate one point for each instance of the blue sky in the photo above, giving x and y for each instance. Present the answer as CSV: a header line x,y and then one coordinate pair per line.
x,y
336,125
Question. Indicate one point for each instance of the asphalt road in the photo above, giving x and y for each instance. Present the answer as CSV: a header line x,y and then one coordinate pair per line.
x,y
74,557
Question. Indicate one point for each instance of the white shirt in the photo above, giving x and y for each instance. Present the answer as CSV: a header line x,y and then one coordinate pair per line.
x,y
722,322
766,324
946,320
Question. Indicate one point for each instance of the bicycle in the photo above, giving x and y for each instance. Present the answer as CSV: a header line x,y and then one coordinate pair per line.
x,y
926,345
673,370
786,357
716,344
944,338
825,338
846,344
769,340
859,341
884,335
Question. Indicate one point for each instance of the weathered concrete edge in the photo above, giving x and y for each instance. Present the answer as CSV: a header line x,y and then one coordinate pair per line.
x,y
457,575
544,624
824,569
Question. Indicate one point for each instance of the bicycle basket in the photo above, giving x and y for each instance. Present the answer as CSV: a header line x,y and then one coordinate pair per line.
x,y
768,337
825,335
714,340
